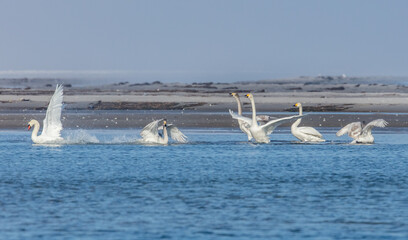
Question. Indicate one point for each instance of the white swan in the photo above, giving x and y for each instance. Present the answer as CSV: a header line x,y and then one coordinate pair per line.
x,y
361,135
243,125
51,132
150,133
305,134
258,132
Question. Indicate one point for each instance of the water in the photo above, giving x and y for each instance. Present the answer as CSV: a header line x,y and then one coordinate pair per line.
x,y
216,187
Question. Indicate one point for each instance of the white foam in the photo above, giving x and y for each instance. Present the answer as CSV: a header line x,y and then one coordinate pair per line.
x,y
123,140
80,137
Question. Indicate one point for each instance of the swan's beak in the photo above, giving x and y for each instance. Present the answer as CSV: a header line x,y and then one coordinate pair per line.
x,y
165,123
247,95
29,127
296,105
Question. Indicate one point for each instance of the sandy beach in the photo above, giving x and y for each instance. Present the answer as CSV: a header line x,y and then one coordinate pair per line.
x,y
331,101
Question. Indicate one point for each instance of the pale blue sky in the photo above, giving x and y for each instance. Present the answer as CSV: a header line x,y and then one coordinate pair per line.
x,y
212,40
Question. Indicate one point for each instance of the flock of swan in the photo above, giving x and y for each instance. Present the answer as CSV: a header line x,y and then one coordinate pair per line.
x,y
258,128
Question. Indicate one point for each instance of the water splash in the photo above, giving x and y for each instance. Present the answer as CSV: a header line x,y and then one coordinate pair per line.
x,y
80,137
123,140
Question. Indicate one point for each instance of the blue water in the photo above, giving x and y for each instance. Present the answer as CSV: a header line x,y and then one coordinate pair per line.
x,y
216,187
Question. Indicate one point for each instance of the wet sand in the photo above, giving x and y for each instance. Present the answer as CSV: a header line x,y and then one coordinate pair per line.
x,y
333,102
187,119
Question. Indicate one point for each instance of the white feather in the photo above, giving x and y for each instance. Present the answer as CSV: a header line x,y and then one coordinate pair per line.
x,y
359,134
240,117
352,129
375,123
150,133
271,125
176,134
310,131
52,121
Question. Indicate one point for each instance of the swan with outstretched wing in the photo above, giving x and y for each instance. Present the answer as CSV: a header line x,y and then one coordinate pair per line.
x,y
52,125
262,119
359,133
150,133
260,132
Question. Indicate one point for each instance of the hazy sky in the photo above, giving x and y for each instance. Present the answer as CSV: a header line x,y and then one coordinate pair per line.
x,y
205,40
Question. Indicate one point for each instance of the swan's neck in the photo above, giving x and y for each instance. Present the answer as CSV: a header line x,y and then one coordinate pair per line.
x,y
165,136
34,134
239,105
254,122
300,110
296,124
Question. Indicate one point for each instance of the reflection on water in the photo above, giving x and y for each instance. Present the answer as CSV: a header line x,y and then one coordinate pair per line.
x,y
218,186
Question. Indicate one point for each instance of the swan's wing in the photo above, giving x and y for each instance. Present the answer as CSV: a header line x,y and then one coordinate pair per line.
x,y
150,131
376,123
245,125
248,121
310,131
52,121
271,125
176,134
353,129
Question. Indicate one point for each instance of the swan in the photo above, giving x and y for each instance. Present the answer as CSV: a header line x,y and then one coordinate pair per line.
x,y
150,133
242,125
51,132
260,132
359,133
305,134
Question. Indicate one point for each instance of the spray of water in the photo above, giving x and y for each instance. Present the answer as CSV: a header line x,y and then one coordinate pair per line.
x,y
80,137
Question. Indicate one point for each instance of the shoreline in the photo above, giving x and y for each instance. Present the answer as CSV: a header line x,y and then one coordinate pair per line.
x,y
188,119
333,101
212,102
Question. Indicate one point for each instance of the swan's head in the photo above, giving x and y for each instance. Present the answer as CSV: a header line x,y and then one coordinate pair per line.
x,y
297,105
30,124
234,94
249,95
165,122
